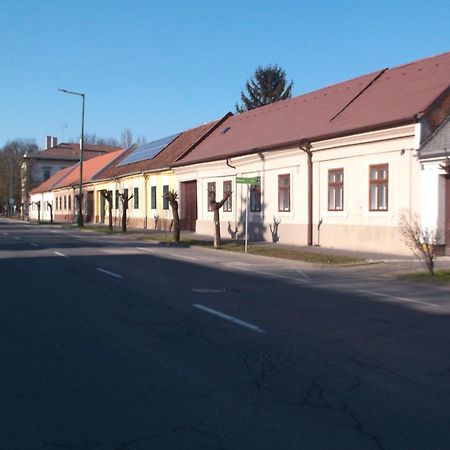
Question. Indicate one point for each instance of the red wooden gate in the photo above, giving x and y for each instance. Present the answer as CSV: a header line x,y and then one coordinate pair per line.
x,y
189,206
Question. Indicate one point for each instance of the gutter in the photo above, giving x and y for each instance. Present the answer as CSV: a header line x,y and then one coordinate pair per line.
x,y
306,147
434,155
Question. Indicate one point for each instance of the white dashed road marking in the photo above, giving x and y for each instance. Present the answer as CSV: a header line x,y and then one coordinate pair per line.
x,y
190,258
235,320
34,244
394,297
145,249
107,272
60,254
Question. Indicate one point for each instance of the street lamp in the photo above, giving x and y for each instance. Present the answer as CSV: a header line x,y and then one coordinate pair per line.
x,y
80,187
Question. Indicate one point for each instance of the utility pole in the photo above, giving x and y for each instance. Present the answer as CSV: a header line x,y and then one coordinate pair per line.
x,y
80,186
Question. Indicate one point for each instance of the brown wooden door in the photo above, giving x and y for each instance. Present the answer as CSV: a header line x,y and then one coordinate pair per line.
x,y
447,215
90,206
189,207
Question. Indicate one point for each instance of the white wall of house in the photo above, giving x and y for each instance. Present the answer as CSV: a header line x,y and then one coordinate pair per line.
x,y
432,212
44,198
434,154
358,227
355,226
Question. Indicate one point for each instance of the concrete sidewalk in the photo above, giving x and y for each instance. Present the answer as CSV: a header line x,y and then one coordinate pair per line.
x,y
443,261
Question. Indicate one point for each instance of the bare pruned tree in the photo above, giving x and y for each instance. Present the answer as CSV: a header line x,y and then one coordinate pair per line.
x,y
125,199
50,207
172,197
126,138
423,241
215,206
11,158
38,204
92,138
140,140
108,196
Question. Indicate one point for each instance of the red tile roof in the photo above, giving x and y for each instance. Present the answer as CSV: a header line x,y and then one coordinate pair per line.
x,y
91,168
70,176
177,148
385,98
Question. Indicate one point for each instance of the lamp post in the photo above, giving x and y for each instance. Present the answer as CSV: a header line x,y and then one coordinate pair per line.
x,y
80,187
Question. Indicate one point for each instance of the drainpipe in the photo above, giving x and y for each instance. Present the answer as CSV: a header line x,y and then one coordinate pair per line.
x,y
306,147
229,165
145,201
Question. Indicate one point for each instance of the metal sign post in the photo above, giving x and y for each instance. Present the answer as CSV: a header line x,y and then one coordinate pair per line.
x,y
246,218
253,181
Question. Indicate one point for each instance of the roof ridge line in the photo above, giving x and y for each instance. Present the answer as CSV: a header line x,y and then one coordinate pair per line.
x,y
108,164
380,73
419,60
204,136
62,176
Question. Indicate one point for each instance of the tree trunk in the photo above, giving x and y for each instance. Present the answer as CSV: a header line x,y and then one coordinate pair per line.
x,y
216,228
110,224
176,222
124,215
109,198
172,196
215,207
125,201
51,212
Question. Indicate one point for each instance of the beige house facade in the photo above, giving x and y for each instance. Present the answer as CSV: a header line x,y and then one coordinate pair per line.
x,y
146,209
361,184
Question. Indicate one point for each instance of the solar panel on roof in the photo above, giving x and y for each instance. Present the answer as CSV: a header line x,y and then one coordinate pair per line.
x,y
148,150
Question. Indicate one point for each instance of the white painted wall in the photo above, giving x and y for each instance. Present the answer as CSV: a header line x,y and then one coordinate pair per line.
x,y
432,211
356,227
43,197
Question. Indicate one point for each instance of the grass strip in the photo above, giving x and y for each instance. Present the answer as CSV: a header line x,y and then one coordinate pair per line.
x,y
253,249
440,277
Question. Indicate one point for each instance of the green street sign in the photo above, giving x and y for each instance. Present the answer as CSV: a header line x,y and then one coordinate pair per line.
x,y
254,181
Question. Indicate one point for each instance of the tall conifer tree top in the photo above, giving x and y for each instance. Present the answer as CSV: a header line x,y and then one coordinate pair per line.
x,y
268,85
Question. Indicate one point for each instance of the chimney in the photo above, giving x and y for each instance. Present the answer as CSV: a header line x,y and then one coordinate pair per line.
x,y
48,142
54,141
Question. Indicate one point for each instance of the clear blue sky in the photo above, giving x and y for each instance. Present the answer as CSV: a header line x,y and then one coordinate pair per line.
x,y
158,67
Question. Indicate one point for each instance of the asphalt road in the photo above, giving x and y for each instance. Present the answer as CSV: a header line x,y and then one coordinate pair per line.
x,y
109,343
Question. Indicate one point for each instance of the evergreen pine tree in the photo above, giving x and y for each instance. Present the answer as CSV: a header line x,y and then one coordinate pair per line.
x,y
268,85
